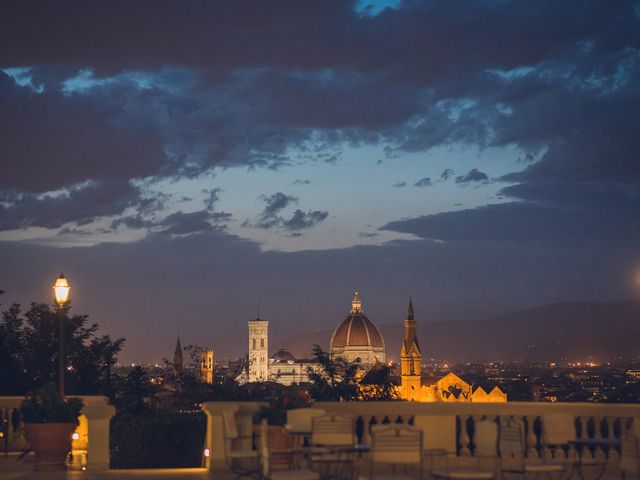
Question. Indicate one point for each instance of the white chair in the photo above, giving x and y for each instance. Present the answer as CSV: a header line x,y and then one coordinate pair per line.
x,y
265,462
394,446
511,447
484,456
239,454
331,435
333,430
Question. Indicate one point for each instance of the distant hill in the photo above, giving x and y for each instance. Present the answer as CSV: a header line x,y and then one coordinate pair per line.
x,y
572,330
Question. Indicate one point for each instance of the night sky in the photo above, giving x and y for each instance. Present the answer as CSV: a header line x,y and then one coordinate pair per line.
x,y
184,163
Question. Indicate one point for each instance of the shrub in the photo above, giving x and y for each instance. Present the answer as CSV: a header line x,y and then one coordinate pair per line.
x,y
46,406
157,440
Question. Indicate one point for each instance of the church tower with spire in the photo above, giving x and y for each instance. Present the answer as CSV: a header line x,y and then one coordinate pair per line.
x,y
177,362
410,359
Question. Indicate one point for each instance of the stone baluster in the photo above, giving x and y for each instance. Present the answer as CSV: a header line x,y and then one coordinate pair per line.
x,y
581,432
599,453
366,431
464,439
612,453
531,439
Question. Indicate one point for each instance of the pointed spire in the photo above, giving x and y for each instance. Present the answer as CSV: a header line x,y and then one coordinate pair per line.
x,y
178,352
410,310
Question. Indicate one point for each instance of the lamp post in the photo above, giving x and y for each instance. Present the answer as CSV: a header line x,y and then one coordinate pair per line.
x,y
61,290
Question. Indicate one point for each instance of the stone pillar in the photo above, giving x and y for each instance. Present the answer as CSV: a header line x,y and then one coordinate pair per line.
x,y
99,414
465,451
531,438
215,438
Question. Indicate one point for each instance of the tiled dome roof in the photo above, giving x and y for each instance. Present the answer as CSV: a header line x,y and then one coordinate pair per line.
x,y
356,331
283,356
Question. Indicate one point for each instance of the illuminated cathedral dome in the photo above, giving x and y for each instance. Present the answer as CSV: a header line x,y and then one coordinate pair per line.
x,y
357,339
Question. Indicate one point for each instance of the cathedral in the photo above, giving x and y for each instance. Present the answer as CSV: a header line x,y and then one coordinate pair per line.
x,y
357,339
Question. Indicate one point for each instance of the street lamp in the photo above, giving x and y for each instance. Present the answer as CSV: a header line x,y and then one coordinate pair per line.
x,y
61,290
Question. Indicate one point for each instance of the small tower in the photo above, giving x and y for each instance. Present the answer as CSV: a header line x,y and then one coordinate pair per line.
x,y
258,350
356,304
177,363
410,359
206,366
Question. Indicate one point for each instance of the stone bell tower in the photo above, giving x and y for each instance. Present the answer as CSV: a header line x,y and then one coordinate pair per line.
x,y
258,350
206,366
410,359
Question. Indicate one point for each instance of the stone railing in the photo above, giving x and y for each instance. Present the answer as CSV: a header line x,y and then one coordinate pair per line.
x,y
592,421
90,447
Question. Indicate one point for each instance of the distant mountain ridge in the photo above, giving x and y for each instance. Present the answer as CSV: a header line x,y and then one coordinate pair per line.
x,y
568,330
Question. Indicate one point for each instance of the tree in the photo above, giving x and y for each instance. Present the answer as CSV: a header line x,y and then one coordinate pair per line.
x,y
29,353
335,380
134,392
377,384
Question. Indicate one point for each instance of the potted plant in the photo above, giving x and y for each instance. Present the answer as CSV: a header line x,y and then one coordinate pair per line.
x,y
49,423
275,413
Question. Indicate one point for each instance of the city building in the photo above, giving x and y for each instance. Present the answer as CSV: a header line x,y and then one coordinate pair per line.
x,y
206,366
284,368
258,350
357,339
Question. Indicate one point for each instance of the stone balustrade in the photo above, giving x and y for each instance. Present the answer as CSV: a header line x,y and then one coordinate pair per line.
x,y
592,421
90,448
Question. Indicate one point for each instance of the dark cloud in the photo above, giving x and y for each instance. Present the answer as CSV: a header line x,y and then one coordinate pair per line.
x,y
50,141
81,204
446,174
368,234
180,223
212,198
474,175
399,184
274,205
301,220
423,182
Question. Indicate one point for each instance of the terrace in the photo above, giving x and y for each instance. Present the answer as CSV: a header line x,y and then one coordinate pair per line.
x,y
596,422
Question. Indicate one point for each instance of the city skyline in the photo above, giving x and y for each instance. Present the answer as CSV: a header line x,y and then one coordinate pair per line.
x,y
480,157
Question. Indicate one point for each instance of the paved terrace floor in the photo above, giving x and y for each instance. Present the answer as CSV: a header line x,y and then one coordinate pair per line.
x,y
11,469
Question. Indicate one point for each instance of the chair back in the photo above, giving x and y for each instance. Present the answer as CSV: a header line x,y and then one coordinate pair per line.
x,y
438,431
333,430
558,429
299,419
486,439
396,445
510,444
629,455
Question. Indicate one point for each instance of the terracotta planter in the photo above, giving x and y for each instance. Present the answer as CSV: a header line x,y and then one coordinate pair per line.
x,y
52,443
